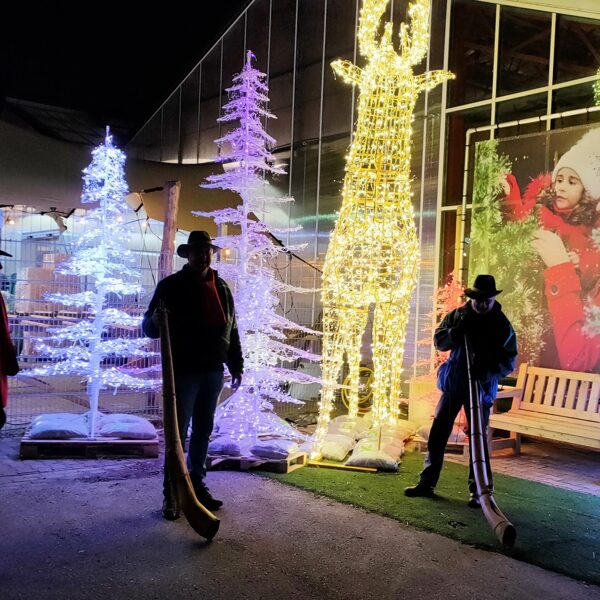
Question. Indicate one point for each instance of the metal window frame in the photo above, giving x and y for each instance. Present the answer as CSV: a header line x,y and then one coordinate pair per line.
x,y
493,102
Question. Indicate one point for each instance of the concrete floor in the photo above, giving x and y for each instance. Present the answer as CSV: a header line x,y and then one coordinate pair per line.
x,y
91,529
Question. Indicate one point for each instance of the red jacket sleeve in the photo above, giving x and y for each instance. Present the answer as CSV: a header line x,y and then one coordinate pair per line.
x,y
513,203
577,349
519,207
8,355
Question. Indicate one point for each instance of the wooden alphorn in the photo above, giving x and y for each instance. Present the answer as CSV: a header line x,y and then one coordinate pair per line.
x,y
198,516
502,527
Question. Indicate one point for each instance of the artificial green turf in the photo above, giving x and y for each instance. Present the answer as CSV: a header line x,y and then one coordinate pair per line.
x,y
556,529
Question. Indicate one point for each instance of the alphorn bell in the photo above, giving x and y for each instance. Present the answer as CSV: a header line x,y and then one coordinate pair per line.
x,y
202,521
505,531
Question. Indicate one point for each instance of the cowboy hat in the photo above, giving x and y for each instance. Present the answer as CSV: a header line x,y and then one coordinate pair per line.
x,y
196,238
483,287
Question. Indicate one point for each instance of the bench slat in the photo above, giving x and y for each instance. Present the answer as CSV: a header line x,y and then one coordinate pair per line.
x,y
559,373
539,388
583,396
560,391
550,434
540,409
571,393
527,394
544,421
594,405
549,395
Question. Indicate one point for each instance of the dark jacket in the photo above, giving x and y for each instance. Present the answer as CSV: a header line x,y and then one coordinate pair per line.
x,y
196,345
492,341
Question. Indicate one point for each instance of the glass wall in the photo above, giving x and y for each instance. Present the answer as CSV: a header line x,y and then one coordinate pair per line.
x,y
518,71
514,69
294,42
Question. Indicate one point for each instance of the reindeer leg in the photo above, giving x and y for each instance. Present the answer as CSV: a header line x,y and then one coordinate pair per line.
x,y
357,321
389,330
333,358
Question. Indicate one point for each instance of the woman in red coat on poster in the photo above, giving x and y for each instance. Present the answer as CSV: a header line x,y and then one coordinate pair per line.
x,y
569,245
8,355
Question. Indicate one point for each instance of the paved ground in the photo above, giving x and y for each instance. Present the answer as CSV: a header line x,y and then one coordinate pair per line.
x,y
551,463
91,529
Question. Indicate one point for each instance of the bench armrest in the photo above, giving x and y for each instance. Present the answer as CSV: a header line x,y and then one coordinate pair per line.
x,y
508,392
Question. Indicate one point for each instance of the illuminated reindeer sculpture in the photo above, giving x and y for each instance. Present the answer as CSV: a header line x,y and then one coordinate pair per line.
x,y
373,252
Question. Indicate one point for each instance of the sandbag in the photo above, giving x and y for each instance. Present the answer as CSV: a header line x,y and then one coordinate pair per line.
x,y
59,426
224,445
274,449
336,446
125,427
375,459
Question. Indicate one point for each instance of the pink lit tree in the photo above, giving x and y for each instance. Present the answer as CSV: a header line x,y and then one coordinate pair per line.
x,y
264,332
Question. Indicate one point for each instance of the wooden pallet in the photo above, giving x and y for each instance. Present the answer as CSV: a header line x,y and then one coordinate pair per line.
x,y
247,463
87,448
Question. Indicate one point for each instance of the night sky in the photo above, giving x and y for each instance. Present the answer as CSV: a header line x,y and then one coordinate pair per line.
x,y
110,63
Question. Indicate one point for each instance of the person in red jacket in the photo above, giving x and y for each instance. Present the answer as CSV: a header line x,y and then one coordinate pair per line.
x,y
569,217
575,313
568,199
8,356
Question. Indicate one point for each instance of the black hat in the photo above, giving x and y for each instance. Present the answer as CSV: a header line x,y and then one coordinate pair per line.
x,y
484,287
2,253
196,238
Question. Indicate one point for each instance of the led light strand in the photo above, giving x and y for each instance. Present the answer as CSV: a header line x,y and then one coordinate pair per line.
x,y
263,332
373,252
101,257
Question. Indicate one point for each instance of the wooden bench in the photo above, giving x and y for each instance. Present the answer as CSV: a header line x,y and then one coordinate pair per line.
x,y
553,405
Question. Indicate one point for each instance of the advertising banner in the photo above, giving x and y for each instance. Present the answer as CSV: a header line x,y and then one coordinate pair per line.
x,y
536,228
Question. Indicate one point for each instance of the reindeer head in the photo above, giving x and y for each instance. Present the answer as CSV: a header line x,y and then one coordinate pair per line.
x,y
388,87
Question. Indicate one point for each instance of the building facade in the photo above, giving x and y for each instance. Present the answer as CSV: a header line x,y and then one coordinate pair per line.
x,y
521,68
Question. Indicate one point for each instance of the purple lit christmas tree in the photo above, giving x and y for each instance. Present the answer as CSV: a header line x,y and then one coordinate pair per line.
x,y
263,331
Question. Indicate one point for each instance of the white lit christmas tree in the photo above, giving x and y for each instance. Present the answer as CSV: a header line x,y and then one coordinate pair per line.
x,y
101,257
263,331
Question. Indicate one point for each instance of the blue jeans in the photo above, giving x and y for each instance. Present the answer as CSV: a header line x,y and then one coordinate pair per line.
x,y
197,395
445,414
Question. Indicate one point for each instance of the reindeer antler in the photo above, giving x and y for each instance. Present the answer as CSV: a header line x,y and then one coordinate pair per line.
x,y
413,43
370,16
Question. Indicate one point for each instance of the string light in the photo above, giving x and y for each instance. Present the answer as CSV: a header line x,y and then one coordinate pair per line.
x,y
102,258
373,251
246,152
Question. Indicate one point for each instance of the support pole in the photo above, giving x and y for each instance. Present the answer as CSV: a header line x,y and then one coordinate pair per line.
x,y
165,261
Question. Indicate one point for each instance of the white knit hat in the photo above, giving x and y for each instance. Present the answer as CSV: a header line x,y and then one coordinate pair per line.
x,y
584,159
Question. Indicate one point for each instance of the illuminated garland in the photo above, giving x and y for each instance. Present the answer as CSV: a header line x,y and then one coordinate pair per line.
x,y
596,87
373,252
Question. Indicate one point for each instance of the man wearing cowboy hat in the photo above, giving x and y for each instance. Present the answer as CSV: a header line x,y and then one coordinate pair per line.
x,y
8,355
204,336
493,344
